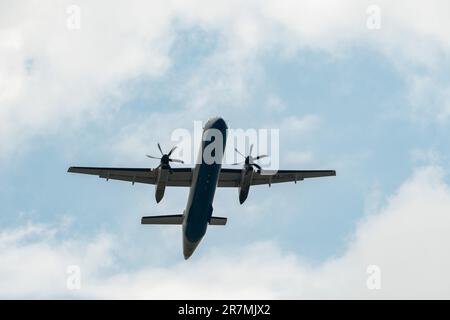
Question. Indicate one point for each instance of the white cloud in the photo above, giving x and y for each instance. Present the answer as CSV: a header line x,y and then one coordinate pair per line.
x,y
407,238
50,76
34,263
138,138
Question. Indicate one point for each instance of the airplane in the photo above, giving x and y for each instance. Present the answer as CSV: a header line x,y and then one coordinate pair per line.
x,y
202,180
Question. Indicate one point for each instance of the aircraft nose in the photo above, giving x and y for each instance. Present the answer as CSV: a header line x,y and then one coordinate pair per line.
x,y
216,123
220,124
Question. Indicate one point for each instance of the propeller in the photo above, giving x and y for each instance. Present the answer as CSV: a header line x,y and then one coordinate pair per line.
x,y
249,160
165,158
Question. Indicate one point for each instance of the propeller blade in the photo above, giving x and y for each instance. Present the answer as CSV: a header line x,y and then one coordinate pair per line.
x,y
257,166
235,149
261,156
251,148
236,163
152,157
176,160
171,150
160,150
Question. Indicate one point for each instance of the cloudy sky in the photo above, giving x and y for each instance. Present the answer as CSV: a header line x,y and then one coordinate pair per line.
x,y
361,87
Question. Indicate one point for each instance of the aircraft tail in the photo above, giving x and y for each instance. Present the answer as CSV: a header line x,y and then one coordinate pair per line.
x,y
217,221
178,219
173,219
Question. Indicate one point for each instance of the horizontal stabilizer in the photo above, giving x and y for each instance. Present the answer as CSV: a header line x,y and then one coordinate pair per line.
x,y
173,219
217,221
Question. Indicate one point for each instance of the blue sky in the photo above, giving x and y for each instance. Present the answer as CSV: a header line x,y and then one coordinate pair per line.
x,y
379,117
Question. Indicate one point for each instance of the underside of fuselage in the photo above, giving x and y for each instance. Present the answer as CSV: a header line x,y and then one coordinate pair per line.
x,y
199,208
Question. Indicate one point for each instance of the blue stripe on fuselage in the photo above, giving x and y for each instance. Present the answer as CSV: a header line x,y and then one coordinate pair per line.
x,y
201,195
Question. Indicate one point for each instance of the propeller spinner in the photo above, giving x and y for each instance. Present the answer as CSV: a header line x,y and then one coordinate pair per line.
x,y
165,158
250,160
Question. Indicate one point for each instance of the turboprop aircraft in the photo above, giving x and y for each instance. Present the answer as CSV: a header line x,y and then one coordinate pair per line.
x,y
202,180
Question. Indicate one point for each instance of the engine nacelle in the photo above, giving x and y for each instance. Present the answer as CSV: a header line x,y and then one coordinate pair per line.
x,y
244,188
161,182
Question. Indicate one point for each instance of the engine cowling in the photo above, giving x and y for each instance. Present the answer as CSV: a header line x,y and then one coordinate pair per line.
x,y
163,171
247,172
244,187
161,182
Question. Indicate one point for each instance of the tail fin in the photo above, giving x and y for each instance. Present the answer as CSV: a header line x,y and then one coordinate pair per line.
x,y
173,219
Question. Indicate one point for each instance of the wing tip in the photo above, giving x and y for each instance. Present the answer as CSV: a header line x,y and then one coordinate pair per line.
x,y
73,169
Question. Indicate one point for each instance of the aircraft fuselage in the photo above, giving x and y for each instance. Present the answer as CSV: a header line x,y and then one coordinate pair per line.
x,y
199,207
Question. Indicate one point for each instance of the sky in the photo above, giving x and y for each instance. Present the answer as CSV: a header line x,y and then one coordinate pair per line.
x,y
360,87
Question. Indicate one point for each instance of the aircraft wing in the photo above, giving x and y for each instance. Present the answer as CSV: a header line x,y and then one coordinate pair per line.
x,y
180,177
232,177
